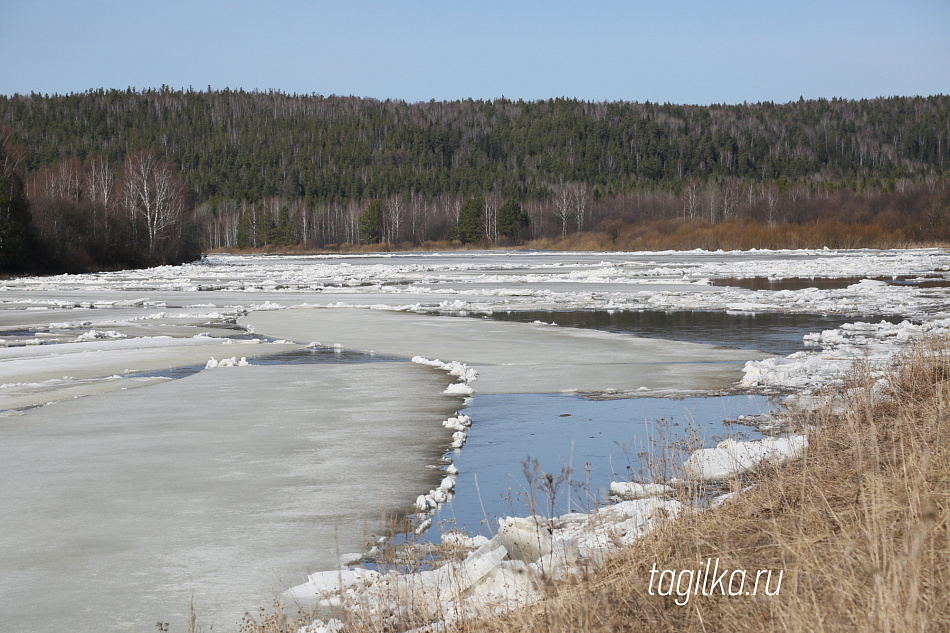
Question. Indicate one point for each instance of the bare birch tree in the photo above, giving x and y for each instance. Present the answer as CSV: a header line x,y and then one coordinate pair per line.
x,y
395,210
771,202
100,180
562,205
417,212
691,199
581,195
730,199
154,197
491,216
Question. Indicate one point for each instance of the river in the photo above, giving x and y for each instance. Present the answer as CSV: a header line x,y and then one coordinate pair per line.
x,y
137,475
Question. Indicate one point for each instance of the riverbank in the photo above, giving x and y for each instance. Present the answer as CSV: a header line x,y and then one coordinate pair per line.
x,y
858,528
853,536
646,236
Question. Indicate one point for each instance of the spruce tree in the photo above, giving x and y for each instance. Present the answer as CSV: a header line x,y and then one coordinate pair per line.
x,y
371,223
14,222
284,233
469,227
511,218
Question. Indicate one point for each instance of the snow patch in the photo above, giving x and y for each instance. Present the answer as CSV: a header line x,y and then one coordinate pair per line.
x,y
730,458
227,362
96,335
633,490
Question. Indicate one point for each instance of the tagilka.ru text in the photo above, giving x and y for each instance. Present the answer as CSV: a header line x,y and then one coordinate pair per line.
x,y
710,581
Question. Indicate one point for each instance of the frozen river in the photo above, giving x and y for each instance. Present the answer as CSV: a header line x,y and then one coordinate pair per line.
x,y
137,474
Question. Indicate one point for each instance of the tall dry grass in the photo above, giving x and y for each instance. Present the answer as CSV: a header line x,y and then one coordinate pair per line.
x,y
860,528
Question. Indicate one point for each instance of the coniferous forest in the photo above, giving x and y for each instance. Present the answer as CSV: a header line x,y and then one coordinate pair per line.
x,y
111,178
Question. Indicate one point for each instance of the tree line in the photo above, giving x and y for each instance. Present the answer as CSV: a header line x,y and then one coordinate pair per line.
x,y
270,169
78,216
910,212
255,145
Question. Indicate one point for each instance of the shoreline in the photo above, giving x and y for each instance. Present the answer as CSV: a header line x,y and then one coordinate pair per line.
x,y
508,570
858,525
538,561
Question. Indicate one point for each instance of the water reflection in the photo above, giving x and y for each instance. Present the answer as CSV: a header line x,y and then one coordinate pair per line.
x,y
827,283
779,334
600,441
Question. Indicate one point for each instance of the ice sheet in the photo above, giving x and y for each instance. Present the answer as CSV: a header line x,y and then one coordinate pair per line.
x,y
226,483
529,280
517,357
55,372
730,458
836,351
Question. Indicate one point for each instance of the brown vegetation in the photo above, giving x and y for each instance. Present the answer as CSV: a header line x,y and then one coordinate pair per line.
x,y
730,235
94,215
728,215
860,528
266,168
658,236
799,217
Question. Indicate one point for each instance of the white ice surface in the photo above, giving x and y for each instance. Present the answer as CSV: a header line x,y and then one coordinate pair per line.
x,y
519,280
518,357
65,370
227,483
503,573
872,344
108,357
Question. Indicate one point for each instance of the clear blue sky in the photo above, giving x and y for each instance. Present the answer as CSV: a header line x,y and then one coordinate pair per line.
x,y
681,51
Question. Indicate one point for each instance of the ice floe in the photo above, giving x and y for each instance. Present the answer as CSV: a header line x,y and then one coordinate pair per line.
x,y
730,457
459,424
477,281
234,361
511,569
93,335
507,571
872,344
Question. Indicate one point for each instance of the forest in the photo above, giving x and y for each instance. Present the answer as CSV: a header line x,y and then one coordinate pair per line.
x,y
268,170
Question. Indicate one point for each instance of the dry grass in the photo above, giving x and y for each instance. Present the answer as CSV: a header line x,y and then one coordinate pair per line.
x,y
859,528
728,235
653,236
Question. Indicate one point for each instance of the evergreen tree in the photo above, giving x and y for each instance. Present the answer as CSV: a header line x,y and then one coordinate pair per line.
x,y
511,219
371,223
644,162
14,222
14,208
243,231
284,231
469,227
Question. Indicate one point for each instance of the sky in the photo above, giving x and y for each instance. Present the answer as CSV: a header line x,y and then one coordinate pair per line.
x,y
677,51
